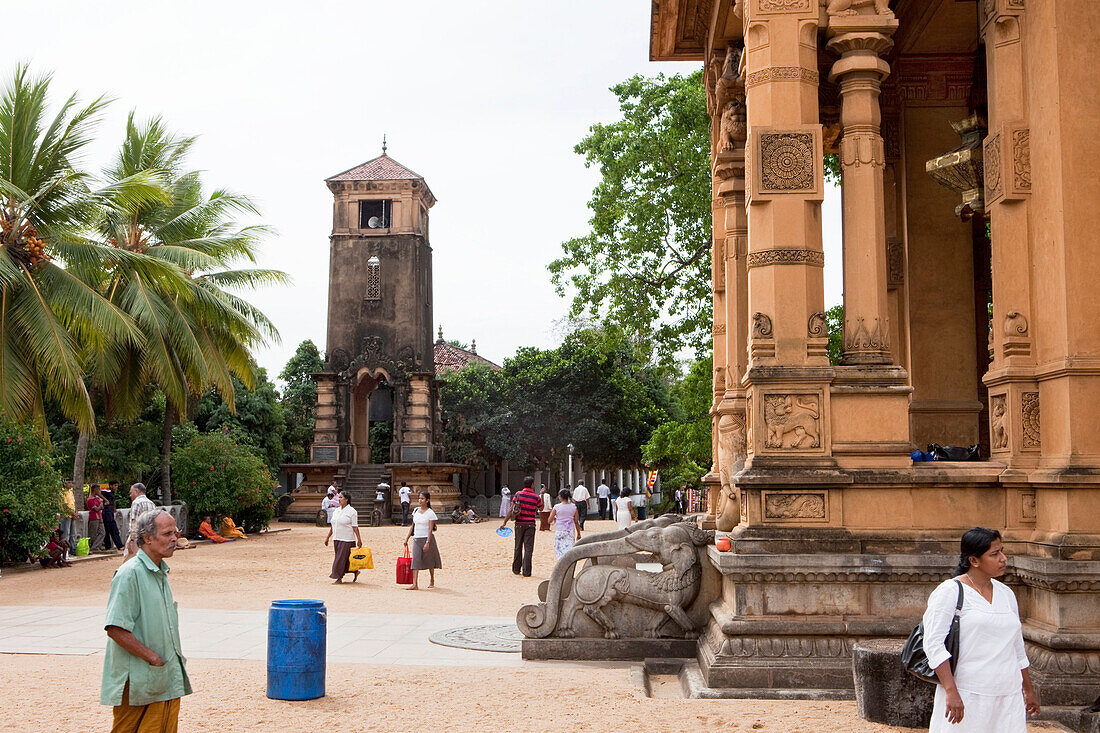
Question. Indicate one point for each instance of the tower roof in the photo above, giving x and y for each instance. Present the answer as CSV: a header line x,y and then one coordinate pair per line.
x,y
382,168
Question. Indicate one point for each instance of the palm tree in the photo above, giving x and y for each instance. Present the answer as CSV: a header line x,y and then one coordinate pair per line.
x,y
196,337
47,312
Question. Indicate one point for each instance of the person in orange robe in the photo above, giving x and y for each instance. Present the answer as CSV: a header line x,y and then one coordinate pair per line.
x,y
207,531
229,529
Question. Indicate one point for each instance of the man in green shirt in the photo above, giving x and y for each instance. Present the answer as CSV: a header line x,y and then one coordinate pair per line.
x,y
144,674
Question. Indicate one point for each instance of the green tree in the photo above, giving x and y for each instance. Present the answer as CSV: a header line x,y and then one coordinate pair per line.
x,y
680,448
48,314
198,335
834,321
645,264
299,401
256,417
217,474
30,491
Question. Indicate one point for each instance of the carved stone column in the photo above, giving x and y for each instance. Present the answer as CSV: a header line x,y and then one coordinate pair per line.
x,y
860,39
1013,390
788,374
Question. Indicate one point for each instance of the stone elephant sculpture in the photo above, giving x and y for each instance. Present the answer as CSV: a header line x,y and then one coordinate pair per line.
x,y
672,542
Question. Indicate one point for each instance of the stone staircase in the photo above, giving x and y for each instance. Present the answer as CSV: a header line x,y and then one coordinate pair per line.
x,y
362,484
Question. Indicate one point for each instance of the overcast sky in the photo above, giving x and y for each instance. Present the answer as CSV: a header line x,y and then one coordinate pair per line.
x,y
484,99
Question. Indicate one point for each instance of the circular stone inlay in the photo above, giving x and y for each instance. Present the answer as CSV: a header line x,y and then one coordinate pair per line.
x,y
491,638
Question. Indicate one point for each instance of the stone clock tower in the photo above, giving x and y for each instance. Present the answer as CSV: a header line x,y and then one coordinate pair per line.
x,y
377,398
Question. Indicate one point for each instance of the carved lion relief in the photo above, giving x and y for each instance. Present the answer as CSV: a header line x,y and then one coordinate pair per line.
x,y
792,421
859,7
997,422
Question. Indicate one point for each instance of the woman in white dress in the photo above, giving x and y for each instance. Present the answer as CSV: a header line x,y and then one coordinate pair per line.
x,y
343,530
505,502
990,690
624,509
425,552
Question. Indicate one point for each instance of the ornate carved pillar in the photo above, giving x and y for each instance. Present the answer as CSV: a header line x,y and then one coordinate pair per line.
x,y
860,39
788,370
1013,390
732,221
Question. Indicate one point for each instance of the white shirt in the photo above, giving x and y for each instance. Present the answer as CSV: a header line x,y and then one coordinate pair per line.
x,y
422,519
343,519
580,493
603,490
622,511
142,505
991,642
328,504
547,503
404,492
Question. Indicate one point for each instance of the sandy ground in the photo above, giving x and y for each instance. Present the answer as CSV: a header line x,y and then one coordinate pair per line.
x,y
476,580
363,698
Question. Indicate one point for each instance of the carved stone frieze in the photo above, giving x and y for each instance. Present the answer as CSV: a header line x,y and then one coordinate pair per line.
x,y
762,326
994,184
922,82
792,421
861,336
853,576
787,161
766,257
1062,662
802,505
718,329
1021,158
779,647
862,148
816,326
1029,405
784,6
895,262
782,73
998,422
859,7
1027,506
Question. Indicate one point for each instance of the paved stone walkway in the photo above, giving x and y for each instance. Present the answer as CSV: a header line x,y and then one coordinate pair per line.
x,y
221,634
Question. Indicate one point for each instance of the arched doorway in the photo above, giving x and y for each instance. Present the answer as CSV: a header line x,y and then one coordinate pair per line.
x,y
372,416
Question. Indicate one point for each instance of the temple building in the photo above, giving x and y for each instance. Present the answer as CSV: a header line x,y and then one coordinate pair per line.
x,y
966,132
377,417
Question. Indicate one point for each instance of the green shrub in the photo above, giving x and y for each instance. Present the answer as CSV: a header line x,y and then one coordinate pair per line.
x,y
30,491
218,475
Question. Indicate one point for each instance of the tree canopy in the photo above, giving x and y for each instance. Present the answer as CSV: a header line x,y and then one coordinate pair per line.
x,y
299,401
645,264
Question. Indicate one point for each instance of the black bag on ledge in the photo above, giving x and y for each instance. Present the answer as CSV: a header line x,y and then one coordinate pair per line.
x,y
953,452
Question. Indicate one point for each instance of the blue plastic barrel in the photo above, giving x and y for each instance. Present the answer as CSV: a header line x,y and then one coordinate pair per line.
x,y
296,650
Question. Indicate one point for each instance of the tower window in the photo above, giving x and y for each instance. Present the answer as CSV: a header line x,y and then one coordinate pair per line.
x,y
374,280
375,214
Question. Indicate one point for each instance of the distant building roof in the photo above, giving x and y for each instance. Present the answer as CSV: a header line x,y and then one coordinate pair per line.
x,y
382,168
451,358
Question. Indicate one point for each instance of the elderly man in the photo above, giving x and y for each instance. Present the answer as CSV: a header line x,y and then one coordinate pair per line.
x,y
140,504
144,674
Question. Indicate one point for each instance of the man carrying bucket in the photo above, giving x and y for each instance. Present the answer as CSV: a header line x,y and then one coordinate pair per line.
x,y
144,673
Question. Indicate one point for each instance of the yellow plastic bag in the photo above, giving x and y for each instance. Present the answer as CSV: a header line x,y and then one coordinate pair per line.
x,y
360,559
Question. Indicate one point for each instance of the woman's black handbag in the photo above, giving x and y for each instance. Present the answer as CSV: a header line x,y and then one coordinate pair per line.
x,y
913,657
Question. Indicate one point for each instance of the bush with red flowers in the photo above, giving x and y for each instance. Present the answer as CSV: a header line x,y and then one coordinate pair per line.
x,y
30,491
218,475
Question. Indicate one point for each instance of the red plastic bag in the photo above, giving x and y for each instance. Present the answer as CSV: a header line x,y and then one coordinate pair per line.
x,y
404,569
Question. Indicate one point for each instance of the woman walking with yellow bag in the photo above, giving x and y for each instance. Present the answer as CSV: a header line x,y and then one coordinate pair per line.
x,y
425,552
343,530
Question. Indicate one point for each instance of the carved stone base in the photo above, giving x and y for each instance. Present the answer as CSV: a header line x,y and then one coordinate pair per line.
x,y
607,649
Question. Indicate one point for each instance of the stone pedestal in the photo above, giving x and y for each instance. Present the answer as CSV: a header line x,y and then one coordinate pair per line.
x,y
885,692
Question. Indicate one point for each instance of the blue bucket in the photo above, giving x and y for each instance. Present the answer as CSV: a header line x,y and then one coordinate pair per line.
x,y
296,632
